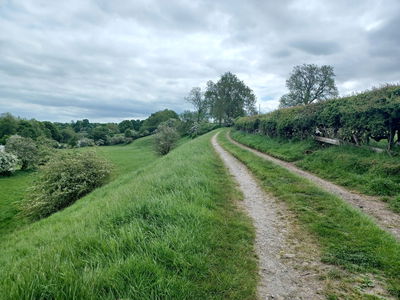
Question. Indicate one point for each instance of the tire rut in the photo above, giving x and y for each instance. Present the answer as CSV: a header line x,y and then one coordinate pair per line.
x,y
386,219
278,277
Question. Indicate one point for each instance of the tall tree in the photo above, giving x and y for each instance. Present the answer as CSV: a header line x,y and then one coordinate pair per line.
x,y
230,98
197,99
309,83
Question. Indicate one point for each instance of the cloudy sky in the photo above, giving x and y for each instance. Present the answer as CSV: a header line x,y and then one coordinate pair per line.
x,y
112,60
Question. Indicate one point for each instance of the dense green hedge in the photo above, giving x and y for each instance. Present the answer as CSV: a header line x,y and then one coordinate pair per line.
x,y
369,115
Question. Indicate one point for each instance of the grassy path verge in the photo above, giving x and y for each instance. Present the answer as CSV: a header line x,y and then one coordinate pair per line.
x,y
356,168
385,218
169,230
347,237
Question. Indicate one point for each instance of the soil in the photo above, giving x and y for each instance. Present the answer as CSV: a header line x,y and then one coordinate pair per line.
x,y
369,205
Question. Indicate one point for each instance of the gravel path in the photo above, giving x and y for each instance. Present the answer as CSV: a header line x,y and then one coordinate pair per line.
x,y
278,277
372,206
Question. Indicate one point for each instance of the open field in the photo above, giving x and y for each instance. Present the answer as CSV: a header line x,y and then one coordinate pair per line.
x,y
145,235
125,159
347,237
359,169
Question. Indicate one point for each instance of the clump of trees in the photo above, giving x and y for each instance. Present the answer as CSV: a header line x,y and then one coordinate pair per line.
x,y
229,98
64,179
309,83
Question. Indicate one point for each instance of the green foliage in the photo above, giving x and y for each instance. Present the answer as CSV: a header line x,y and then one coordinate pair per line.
x,y
155,119
166,137
8,125
143,236
25,149
358,119
229,98
308,83
63,180
348,237
69,136
8,163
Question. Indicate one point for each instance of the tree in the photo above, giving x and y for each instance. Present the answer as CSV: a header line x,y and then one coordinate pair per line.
x,y
125,125
309,83
155,119
69,136
8,125
230,98
197,99
25,149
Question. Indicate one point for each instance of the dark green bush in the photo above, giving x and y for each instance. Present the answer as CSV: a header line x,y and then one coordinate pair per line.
x,y
63,180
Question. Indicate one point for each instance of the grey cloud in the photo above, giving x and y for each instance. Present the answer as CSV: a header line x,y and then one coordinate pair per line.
x,y
115,59
316,47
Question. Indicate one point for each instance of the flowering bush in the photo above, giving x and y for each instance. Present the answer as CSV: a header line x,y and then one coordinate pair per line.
x,y
63,180
8,163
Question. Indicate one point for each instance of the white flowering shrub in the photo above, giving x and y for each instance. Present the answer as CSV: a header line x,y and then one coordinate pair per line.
x,y
8,163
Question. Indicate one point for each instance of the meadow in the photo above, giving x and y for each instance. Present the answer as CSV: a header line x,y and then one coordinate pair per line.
x,y
146,235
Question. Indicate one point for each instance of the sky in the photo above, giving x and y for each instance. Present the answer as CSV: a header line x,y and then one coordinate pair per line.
x,y
113,60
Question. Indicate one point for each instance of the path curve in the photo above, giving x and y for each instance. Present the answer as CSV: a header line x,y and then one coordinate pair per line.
x,y
371,206
278,278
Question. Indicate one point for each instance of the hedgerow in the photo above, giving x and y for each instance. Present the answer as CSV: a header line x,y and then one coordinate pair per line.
x,y
357,119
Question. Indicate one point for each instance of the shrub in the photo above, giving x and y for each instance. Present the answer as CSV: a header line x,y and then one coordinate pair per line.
x,y
8,163
63,180
198,129
130,133
85,142
25,149
118,139
166,137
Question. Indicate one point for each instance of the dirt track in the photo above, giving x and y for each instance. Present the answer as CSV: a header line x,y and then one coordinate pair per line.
x,y
371,206
278,277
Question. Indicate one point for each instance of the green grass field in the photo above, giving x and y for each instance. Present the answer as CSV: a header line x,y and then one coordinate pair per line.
x,y
13,188
347,237
166,229
357,168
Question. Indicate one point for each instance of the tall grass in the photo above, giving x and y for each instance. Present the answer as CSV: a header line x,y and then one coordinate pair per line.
x,y
348,237
169,230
